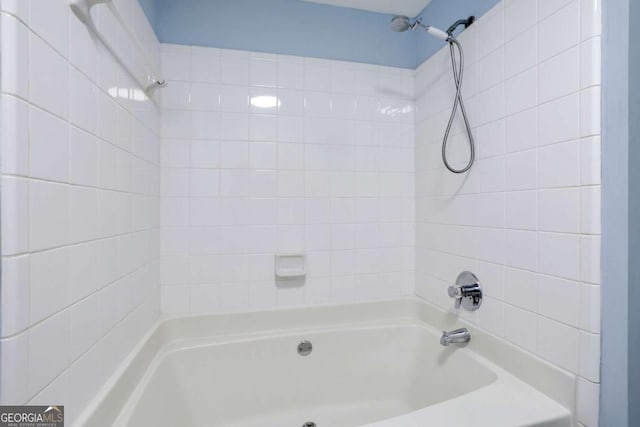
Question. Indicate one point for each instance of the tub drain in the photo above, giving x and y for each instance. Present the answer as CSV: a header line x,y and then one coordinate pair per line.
x,y
304,349
309,424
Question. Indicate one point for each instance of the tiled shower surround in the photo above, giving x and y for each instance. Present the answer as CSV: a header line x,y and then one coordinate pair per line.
x,y
116,207
80,203
526,219
265,154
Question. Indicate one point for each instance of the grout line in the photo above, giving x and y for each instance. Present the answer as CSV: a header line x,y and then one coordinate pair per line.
x,y
69,307
91,347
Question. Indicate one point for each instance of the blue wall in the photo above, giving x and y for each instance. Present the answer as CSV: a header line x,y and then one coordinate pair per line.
x,y
634,212
299,28
620,388
287,27
443,13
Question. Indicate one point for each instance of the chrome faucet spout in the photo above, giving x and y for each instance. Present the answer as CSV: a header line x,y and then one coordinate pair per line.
x,y
459,336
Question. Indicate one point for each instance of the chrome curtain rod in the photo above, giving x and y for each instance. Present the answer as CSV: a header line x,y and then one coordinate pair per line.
x,y
82,10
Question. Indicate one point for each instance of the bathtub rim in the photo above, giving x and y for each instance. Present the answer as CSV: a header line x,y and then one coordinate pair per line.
x,y
551,380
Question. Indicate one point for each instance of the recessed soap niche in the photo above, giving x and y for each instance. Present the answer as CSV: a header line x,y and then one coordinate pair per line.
x,y
290,269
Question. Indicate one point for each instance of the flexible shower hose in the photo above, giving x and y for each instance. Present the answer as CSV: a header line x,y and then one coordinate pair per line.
x,y
458,70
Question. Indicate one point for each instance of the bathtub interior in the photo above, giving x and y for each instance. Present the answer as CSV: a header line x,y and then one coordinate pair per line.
x,y
370,362
352,377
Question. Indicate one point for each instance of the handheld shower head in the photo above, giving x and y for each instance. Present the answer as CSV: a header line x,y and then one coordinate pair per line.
x,y
437,33
401,23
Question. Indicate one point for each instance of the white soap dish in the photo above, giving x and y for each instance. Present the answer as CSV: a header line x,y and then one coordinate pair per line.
x,y
290,265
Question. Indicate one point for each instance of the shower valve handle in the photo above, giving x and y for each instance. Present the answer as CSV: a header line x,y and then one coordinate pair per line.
x,y
467,291
456,292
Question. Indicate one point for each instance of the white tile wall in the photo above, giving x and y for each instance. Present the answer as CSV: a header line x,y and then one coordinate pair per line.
x,y
264,154
80,204
526,218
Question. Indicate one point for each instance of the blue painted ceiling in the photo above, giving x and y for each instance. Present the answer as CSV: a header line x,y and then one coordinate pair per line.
x,y
293,27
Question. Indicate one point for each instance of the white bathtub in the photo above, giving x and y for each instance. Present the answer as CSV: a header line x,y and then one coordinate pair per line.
x,y
377,364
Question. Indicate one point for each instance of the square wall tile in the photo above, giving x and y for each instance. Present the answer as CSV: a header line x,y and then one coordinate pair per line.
x,y
49,90
14,367
15,294
558,255
587,402
49,146
15,128
47,356
558,343
50,290
15,216
15,50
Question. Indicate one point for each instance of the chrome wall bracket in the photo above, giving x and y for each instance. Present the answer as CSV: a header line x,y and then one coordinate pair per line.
x,y
467,291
